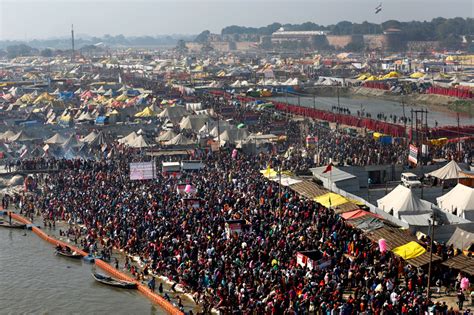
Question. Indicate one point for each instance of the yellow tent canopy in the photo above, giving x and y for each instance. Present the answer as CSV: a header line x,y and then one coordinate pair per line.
x,y
391,74
271,173
147,112
331,200
417,75
121,98
363,77
372,78
409,250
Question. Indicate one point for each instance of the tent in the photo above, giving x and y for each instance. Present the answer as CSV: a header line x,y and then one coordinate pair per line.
x,y
166,136
71,142
56,139
449,171
331,200
129,138
179,140
462,239
7,135
22,136
459,199
91,136
403,200
417,75
146,113
100,140
194,122
138,142
173,113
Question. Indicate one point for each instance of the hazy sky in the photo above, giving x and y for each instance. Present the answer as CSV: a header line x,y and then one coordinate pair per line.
x,y
30,19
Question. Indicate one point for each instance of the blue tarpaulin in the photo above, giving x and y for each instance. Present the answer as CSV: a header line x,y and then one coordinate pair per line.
x,y
101,120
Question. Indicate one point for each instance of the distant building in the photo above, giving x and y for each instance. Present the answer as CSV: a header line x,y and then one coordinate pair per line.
x,y
282,36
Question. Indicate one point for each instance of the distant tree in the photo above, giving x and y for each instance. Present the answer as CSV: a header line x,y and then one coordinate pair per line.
x,y
355,46
266,43
203,37
321,43
14,51
181,46
46,52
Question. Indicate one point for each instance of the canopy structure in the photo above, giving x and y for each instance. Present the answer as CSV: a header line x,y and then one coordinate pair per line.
x,y
194,122
403,200
271,173
91,136
462,239
449,171
409,251
458,200
146,113
138,142
173,113
21,137
56,139
129,138
71,142
179,140
7,135
166,136
331,200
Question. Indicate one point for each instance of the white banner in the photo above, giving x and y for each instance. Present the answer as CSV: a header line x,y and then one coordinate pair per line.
x,y
140,171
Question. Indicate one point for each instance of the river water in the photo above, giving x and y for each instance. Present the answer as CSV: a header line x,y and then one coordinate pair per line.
x,y
375,106
35,281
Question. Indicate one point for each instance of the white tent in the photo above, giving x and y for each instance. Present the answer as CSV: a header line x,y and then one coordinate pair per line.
x,y
90,137
167,135
403,200
179,140
128,139
138,142
449,171
459,200
56,139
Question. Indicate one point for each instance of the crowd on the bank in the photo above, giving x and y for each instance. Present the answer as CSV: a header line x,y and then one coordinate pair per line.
x,y
254,272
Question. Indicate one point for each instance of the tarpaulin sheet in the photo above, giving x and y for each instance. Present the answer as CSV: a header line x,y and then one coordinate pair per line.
x,y
409,250
331,200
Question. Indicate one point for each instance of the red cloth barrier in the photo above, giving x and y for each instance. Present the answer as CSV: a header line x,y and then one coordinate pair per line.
x,y
458,92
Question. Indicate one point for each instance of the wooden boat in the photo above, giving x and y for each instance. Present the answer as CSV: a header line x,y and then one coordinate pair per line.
x,y
68,254
113,282
14,225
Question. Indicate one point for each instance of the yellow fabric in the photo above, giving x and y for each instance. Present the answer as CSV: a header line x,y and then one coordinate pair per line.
x,y
121,98
371,78
439,141
331,200
377,135
271,173
147,112
65,118
391,74
417,75
409,250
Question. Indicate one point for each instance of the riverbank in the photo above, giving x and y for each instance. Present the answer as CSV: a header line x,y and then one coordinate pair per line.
x,y
439,103
54,240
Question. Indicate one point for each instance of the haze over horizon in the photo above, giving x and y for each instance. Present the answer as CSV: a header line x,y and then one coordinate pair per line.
x,y
29,19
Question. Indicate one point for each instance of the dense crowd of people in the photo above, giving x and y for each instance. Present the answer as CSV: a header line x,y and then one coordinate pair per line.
x,y
254,271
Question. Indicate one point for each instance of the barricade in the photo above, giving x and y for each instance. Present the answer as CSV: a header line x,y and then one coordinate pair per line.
x,y
155,298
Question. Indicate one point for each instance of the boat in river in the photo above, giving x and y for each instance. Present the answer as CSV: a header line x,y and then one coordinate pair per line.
x,y
13,225
113,281
68,254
